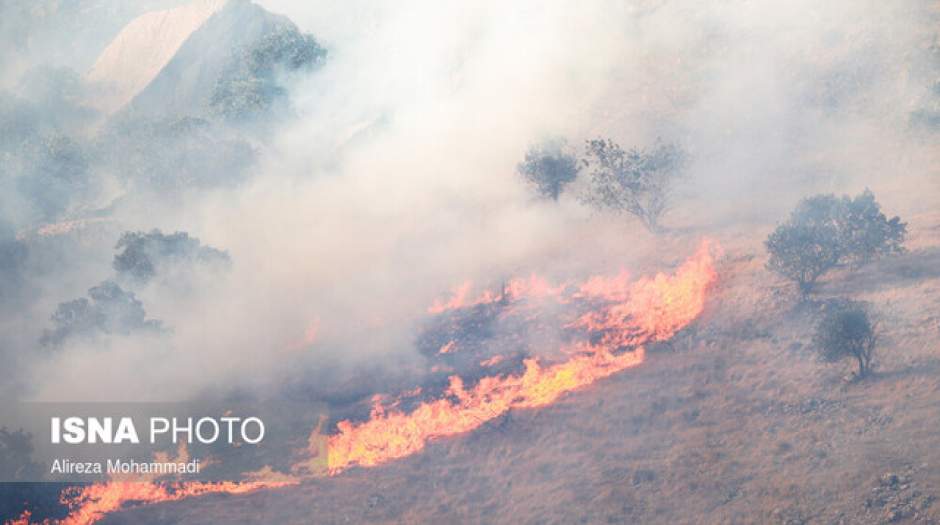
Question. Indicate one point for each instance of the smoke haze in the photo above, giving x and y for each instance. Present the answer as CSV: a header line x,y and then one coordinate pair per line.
x,y
393,177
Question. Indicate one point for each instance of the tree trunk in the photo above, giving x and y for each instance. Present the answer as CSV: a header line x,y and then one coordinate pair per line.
x,y
862,366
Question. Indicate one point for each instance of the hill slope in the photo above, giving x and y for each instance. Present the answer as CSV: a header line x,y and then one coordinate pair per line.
x,y
141,50
735,423
167,63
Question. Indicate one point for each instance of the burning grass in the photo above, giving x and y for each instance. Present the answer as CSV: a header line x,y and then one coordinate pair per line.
x,y
621,317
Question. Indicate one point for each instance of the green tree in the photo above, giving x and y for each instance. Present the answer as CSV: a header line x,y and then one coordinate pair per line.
x,y
803,253
637,181
251,83
846,331
824,231
548,167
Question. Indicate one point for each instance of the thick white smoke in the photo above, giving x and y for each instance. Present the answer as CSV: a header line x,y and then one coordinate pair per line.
x,y
397,178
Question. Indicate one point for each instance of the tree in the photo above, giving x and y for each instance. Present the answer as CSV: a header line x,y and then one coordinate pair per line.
x,y
250,84
866,232
846,331
802,253
637,181
824,231
144,255
110,310
549,168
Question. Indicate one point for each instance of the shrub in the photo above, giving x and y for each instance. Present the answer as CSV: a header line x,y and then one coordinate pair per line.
x,y
846,331
549,168
637,181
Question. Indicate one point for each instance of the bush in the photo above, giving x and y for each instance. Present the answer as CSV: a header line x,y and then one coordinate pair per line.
x,y
846,331
549,168
638,182
825,231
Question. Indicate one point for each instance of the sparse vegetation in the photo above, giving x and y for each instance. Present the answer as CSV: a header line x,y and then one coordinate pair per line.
x,y
59,175
638,181
175,155
548,167
825,231
847,332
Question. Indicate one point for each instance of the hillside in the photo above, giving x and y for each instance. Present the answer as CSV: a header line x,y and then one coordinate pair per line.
x,y
734,422
492,262
143,48
166,63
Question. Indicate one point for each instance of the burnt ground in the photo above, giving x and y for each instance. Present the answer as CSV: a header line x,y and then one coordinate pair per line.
x,y
735,421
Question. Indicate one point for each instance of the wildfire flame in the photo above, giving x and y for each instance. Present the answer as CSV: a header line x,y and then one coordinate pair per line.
x,y
533,286
650,309
91,503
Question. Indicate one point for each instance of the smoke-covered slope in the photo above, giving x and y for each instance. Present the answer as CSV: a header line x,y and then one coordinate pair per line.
x,y
188,79
169,63
733,422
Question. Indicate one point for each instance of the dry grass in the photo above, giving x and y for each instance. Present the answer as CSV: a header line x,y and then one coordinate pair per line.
x,y
735,422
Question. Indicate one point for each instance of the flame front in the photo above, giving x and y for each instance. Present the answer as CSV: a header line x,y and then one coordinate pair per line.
x,y
651,309
91,503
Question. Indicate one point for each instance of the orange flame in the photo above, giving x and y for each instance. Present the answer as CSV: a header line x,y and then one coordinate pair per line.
x,y
456,301
533,286
22,519
91,503
649,310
